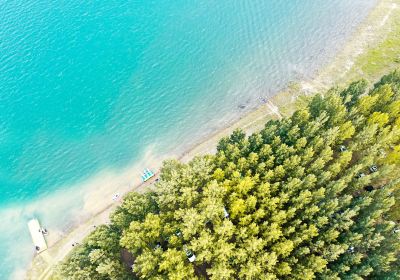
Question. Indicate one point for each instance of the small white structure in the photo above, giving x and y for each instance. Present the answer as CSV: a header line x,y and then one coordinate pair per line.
x,y
115,197
373,168
37,236
192,258
189,254
226,214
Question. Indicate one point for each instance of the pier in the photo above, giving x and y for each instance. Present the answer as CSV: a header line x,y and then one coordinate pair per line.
x,y
37,236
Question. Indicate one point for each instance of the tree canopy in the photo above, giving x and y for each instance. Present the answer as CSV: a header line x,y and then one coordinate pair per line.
x,y
312,196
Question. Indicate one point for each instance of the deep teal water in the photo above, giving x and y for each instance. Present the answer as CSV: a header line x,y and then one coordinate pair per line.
x,y
90,85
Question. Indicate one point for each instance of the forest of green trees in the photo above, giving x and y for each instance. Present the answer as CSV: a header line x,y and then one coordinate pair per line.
x,y
313,196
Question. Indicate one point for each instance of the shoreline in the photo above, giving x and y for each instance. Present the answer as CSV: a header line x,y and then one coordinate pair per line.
x,y
367,35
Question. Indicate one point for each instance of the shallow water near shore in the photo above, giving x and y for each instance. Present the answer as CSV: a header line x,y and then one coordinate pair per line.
x,y
91,93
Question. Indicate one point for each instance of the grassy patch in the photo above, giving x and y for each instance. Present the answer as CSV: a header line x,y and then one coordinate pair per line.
x,y
379,59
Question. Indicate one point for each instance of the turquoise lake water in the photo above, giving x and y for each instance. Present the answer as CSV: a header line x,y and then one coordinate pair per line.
x,y
87,86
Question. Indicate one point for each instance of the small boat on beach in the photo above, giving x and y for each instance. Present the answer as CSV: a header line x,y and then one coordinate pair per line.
x,y
147,174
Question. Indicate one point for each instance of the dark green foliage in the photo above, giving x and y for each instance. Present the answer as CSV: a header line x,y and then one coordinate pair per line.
x,y
295,195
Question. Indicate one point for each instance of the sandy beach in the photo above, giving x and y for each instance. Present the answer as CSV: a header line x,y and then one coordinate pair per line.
x,y
347,66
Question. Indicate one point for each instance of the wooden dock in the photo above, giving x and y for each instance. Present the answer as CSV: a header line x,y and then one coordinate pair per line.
x,y
37,236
